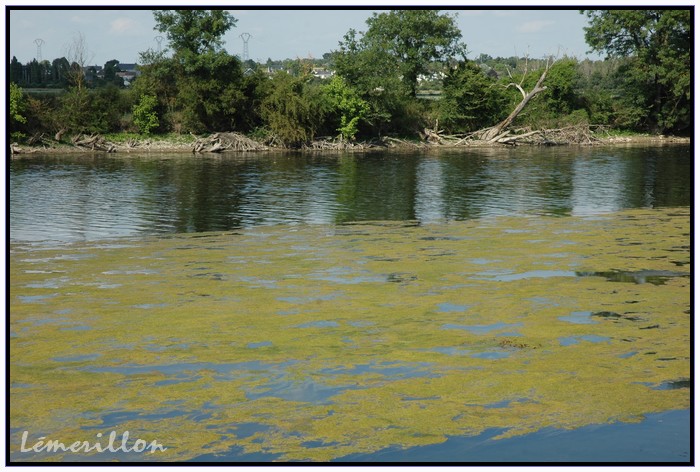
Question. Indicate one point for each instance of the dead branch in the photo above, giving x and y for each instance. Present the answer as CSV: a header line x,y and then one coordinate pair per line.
x,y
15,149
492,134
220,142
94,142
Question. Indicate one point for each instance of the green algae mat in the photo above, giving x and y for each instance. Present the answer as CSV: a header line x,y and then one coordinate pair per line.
x,y
314,342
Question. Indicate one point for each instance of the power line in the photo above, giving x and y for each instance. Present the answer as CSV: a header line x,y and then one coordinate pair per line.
x,y
39,42
245,37
159,40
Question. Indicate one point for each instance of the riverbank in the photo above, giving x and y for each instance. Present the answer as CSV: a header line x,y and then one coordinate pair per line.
x,y
187,144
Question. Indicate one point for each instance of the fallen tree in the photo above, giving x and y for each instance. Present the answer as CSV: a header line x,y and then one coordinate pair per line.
x,y
495,133
333,144
15,149
574,134
93,142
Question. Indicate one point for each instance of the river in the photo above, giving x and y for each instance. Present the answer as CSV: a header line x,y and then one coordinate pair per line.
x,y
86,198
481,305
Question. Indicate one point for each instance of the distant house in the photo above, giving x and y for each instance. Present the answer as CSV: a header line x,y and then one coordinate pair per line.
x,y
93,73
128,72
322,73
272,70
435,76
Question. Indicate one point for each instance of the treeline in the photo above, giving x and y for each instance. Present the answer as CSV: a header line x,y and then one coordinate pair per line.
x,y
58,73
376,89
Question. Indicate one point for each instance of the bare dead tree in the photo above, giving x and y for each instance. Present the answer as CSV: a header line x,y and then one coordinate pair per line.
x,y
79,57
494,133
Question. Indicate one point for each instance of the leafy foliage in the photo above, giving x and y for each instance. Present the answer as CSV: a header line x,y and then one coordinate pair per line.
x,y
415,38
16,111
292,111
199,85
471,100
407,71
658,43
346,102
145,116
193,31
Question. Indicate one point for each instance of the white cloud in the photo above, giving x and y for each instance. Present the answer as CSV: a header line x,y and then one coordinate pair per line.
x,y
80,19
123,25
534,26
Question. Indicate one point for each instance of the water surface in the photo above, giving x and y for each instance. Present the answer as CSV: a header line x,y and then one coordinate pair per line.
x,y
476,305
84,198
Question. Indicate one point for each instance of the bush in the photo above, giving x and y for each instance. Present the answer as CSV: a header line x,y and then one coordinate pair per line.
x,y
144,114
347,105
17,118
292,111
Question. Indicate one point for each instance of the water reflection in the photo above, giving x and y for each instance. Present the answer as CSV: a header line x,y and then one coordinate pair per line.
x,y
78,198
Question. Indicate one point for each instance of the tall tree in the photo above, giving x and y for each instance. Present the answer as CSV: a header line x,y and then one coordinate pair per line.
x,y
110,73
76,115
17,106
416,38
207,79
658,41
470,99
194,31
15,71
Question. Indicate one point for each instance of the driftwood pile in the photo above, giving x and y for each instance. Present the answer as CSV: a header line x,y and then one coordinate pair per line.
x,y
220,142
15,149
575,134
93,142
330,144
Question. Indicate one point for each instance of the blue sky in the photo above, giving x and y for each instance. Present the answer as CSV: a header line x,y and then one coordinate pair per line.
x,y
277,33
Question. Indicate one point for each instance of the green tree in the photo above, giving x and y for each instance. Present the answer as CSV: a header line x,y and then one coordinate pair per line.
x,y
145,115
15,71
110,73
347,104
254,88
60,71
416,38
194,31
17,106
371,71
471,100
201,82
158,79
658,42
384,65
293,111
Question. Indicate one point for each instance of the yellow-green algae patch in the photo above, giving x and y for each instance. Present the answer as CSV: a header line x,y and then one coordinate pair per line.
x,y
352,338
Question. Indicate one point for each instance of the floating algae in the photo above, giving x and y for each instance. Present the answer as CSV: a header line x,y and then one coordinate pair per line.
x,y
272,351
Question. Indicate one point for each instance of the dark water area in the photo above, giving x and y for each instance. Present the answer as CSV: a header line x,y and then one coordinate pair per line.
x,y
92,197
658,438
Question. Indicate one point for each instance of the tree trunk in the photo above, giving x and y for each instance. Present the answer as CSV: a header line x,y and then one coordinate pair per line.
x,y
492,134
